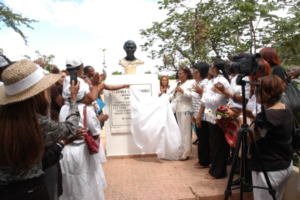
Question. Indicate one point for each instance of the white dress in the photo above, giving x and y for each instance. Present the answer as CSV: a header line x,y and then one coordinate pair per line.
x,y
153,126
82,173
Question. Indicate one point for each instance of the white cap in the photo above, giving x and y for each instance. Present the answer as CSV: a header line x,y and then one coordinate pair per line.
x,y
73,62
83,89
4,61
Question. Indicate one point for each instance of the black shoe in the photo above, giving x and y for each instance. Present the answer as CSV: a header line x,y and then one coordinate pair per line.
x,y
196,142
236,182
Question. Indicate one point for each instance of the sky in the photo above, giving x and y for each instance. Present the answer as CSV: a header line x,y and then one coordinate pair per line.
x,y
82,27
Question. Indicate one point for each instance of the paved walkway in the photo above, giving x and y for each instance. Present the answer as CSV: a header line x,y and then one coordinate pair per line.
x,y
150,178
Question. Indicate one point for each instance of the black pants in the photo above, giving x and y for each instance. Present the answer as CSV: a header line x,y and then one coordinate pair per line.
x,y
219,151
32,189
203,146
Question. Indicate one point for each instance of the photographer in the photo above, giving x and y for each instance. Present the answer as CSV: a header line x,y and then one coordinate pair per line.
x,y
275,148
253,106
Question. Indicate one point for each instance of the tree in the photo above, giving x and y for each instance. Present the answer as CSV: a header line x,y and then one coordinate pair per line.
x,y
47,59
287,34
117,73
14,20
210,28
181,37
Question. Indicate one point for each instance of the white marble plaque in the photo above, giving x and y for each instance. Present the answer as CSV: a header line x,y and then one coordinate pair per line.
x,y
119,140
121,106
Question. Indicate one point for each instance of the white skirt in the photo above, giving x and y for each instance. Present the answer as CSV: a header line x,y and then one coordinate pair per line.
x,y
82,174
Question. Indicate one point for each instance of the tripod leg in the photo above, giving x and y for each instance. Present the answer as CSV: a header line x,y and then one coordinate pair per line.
x,y
272,191
235,156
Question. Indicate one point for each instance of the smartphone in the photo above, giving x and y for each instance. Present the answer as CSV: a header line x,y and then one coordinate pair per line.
x,y
73,74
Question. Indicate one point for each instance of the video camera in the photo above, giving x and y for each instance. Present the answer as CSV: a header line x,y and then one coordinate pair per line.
x,y
246,66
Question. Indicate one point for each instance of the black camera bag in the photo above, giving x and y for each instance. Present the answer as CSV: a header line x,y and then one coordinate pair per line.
x,y
291,96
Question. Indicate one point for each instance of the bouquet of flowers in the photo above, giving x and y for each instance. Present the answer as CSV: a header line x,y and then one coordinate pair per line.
x,y
229,125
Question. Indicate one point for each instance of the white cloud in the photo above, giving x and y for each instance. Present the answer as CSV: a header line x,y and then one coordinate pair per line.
x,y
114,22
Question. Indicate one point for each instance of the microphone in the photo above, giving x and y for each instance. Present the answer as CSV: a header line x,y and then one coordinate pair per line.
x,y
175,93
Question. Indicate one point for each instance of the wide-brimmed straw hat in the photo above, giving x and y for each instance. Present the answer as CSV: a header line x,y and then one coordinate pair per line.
x,y
23,80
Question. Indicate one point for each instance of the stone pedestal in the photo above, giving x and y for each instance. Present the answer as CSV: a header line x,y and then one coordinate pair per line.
x,y
130,66
129,70
119,140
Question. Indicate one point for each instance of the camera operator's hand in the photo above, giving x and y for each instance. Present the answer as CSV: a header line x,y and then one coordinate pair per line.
x,y
74,90
250,114
95,79
126,86
198,89
233,112
220,87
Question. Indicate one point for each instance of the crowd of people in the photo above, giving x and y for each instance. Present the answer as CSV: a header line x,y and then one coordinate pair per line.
x,y
214,86
45,118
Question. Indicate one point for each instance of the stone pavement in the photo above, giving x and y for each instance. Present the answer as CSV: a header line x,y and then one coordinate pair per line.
x,y
151,178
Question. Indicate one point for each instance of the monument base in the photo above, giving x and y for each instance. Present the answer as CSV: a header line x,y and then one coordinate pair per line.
x,y
129,70
119,139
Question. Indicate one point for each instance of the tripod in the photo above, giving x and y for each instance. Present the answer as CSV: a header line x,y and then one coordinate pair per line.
x,y
242,138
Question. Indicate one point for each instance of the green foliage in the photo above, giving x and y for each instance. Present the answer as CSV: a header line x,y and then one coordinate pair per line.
x,y
26,57
220,28
148,72
13,20
117,73
287,34
47,59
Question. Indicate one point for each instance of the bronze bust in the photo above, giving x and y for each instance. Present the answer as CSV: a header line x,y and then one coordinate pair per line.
x,y
130,62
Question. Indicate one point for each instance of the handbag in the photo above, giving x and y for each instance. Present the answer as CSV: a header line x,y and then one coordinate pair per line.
x,y
291,95
296,135
93,145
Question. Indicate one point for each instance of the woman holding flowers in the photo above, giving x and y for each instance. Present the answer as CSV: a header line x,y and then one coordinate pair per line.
x,y
211,101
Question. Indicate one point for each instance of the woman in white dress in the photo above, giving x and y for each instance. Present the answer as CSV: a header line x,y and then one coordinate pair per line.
x,y
82,173
183,102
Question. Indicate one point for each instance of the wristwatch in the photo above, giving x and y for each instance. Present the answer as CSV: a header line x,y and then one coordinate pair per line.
x,y
234,98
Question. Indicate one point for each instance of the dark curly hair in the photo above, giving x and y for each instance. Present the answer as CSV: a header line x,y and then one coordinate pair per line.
x,y
187,71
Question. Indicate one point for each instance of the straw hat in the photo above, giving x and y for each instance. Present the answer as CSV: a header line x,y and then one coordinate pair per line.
x,y
23,80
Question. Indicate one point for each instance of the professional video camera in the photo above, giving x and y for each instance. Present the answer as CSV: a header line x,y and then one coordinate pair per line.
x,y
246,66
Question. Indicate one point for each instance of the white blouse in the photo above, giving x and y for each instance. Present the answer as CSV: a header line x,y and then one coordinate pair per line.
x,y
183,101
212,100
237,89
